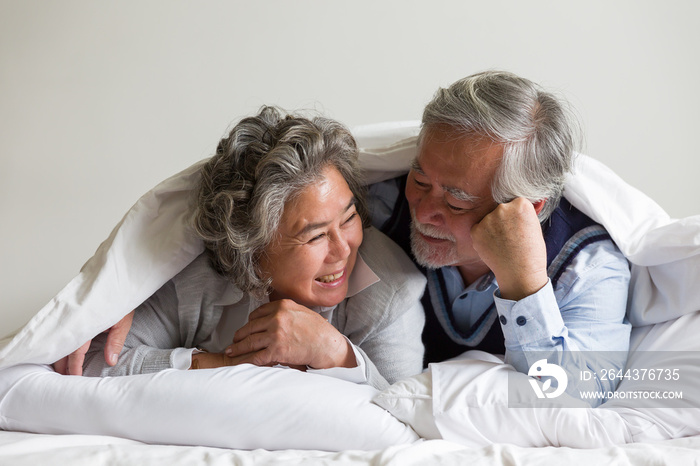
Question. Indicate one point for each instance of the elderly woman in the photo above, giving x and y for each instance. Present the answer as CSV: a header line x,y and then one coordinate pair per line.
x,y
292,276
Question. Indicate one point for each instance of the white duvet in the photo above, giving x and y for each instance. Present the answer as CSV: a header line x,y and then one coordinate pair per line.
x,y
463,401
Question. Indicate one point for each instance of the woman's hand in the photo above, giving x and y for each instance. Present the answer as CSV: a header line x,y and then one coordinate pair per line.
x,y
287,333
73,363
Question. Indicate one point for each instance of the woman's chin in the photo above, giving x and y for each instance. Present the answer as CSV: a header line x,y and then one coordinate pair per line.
x,y
325,297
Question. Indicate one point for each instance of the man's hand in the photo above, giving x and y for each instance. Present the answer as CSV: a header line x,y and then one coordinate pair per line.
x,y
284,332
509,241
73,363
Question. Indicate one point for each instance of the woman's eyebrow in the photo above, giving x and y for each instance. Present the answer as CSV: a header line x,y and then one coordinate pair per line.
x,y
314,226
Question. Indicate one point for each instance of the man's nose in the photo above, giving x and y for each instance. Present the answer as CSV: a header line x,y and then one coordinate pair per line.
x,y
429,210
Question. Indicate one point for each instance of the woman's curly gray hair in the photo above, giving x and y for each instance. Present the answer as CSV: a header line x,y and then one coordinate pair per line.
x,y
264,162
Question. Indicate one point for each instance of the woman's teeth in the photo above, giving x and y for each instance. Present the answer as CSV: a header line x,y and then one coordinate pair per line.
x,y
331,278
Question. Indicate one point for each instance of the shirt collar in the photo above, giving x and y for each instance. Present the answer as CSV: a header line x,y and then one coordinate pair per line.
x,y
361,277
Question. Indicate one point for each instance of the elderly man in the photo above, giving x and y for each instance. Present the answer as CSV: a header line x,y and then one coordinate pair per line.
x,y
512,267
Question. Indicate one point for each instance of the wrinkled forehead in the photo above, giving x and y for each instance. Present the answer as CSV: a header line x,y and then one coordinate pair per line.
x,y
321,201
456,160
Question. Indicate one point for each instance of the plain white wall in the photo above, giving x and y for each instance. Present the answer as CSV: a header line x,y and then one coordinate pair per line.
x,y
99,101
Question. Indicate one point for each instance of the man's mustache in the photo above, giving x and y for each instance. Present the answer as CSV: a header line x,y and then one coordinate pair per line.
x,y
430,230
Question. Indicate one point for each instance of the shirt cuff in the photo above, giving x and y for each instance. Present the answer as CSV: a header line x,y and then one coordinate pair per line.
x,y
181,358
357,374
532,322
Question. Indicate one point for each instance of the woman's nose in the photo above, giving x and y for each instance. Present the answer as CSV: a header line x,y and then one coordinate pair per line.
x,y
340,249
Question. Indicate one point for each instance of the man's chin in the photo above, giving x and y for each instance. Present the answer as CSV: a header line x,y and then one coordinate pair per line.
x,y
432,264
428,257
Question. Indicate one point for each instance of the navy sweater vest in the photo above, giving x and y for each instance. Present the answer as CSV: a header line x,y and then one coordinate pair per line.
x,y
566,232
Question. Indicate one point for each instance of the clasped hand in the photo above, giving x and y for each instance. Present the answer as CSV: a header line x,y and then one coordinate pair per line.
x,y
287,333
284,332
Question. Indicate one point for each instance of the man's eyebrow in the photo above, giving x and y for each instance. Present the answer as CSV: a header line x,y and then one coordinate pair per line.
x,y
314,226
415,166
460,194
457,193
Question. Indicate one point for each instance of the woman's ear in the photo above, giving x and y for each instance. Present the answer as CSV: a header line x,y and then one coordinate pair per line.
x,y
539,205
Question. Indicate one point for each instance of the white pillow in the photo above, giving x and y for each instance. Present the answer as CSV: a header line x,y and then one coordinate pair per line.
x,y
243,407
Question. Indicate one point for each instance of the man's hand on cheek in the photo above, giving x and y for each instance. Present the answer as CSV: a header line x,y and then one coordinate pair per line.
x,y
509,241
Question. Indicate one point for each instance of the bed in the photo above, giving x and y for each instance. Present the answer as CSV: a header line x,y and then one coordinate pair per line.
x,y
457,412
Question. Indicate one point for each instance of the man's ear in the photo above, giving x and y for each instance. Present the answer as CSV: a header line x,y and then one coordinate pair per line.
x,y
539,205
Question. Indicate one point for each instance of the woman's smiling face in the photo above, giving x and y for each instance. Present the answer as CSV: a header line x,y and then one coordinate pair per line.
x,y
315,251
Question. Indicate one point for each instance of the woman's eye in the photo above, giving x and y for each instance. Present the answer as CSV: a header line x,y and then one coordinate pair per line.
x,y
316,238
351,218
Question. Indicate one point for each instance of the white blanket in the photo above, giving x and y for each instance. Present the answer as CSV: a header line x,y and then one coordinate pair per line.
x,y
153,242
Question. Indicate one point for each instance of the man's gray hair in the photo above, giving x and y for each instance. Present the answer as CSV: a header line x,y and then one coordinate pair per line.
x,y
537,130
263,163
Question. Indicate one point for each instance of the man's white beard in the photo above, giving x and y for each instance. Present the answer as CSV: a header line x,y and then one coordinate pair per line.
x,y
428,255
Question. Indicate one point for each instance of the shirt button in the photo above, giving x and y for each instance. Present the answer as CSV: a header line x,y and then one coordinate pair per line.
x,y
503,320
463,296
521,320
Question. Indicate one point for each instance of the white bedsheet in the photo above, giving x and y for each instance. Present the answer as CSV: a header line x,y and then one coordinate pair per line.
x,y
21,449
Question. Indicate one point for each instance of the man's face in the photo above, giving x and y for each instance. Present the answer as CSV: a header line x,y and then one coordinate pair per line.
x,y
449,190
